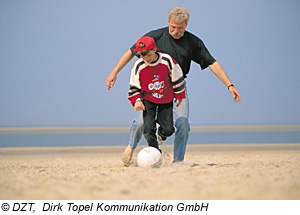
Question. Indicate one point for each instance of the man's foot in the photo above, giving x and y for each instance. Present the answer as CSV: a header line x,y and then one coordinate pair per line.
x,y
179,163
127,155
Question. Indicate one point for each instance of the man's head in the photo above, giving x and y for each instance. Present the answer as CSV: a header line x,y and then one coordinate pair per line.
x,y
178,18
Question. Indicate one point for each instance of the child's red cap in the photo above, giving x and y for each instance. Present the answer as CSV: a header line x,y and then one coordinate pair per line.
x,y
147,41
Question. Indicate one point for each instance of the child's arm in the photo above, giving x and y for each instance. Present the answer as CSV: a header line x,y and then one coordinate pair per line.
x,y
134,92
178,83
178,102
134,95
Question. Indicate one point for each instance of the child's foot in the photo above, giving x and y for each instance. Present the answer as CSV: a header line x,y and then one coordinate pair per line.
x,y
127,155
159,139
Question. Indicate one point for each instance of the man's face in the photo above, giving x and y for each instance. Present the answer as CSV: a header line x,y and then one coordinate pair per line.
x,y
176,29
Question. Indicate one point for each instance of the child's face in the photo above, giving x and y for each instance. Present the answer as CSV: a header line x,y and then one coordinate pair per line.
x,y
150,57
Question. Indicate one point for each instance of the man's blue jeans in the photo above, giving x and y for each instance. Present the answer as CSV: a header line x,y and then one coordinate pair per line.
x,y
181,115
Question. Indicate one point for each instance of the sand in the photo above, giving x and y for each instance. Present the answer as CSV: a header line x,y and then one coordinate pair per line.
x,y
210,172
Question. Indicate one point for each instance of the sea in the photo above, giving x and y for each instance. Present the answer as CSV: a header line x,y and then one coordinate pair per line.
x,y
122,138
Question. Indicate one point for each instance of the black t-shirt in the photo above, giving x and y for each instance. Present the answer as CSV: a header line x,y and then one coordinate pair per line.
x,y
184,50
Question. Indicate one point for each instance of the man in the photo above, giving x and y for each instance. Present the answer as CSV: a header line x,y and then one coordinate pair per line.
x,y
184,47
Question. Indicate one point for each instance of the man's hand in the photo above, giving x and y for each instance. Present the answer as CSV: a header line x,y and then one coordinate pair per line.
x,y
235,94
139,106
124,60
110,80
217,69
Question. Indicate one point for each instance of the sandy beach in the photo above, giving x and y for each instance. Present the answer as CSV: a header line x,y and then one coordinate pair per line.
x,y
211,172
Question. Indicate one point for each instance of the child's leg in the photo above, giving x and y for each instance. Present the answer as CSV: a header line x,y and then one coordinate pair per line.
x,y
149,115
165,120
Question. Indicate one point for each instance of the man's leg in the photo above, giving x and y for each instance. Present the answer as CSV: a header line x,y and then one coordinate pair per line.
x,y
181,116
136,130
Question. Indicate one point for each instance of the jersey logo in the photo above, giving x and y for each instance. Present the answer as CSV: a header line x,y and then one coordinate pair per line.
x,y
155,77
156,95
156,85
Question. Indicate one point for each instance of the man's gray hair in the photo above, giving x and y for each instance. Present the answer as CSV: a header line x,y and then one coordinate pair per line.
x,y
179,14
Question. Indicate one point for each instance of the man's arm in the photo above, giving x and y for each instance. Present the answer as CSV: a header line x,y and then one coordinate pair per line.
x,y
217,69
124,60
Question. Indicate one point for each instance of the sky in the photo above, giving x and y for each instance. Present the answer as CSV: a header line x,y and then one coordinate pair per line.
x,y
55,56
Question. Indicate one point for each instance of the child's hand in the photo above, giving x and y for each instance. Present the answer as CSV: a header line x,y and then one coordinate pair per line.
x,y
139,106
178,102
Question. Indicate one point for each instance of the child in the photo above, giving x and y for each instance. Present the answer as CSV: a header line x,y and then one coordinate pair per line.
x,y
156,79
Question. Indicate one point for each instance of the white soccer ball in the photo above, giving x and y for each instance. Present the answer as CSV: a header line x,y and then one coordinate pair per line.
x,y
149,157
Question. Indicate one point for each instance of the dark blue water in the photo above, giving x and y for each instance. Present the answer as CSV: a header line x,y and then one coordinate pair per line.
x,y
121,139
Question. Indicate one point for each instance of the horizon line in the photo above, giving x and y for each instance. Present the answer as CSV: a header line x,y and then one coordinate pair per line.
x,y
126,129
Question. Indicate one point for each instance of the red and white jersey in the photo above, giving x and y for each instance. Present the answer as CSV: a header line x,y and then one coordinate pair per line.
x,y
158,82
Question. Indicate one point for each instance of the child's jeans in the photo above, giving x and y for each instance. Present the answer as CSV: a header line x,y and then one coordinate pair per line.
x,y
181,115
163,115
